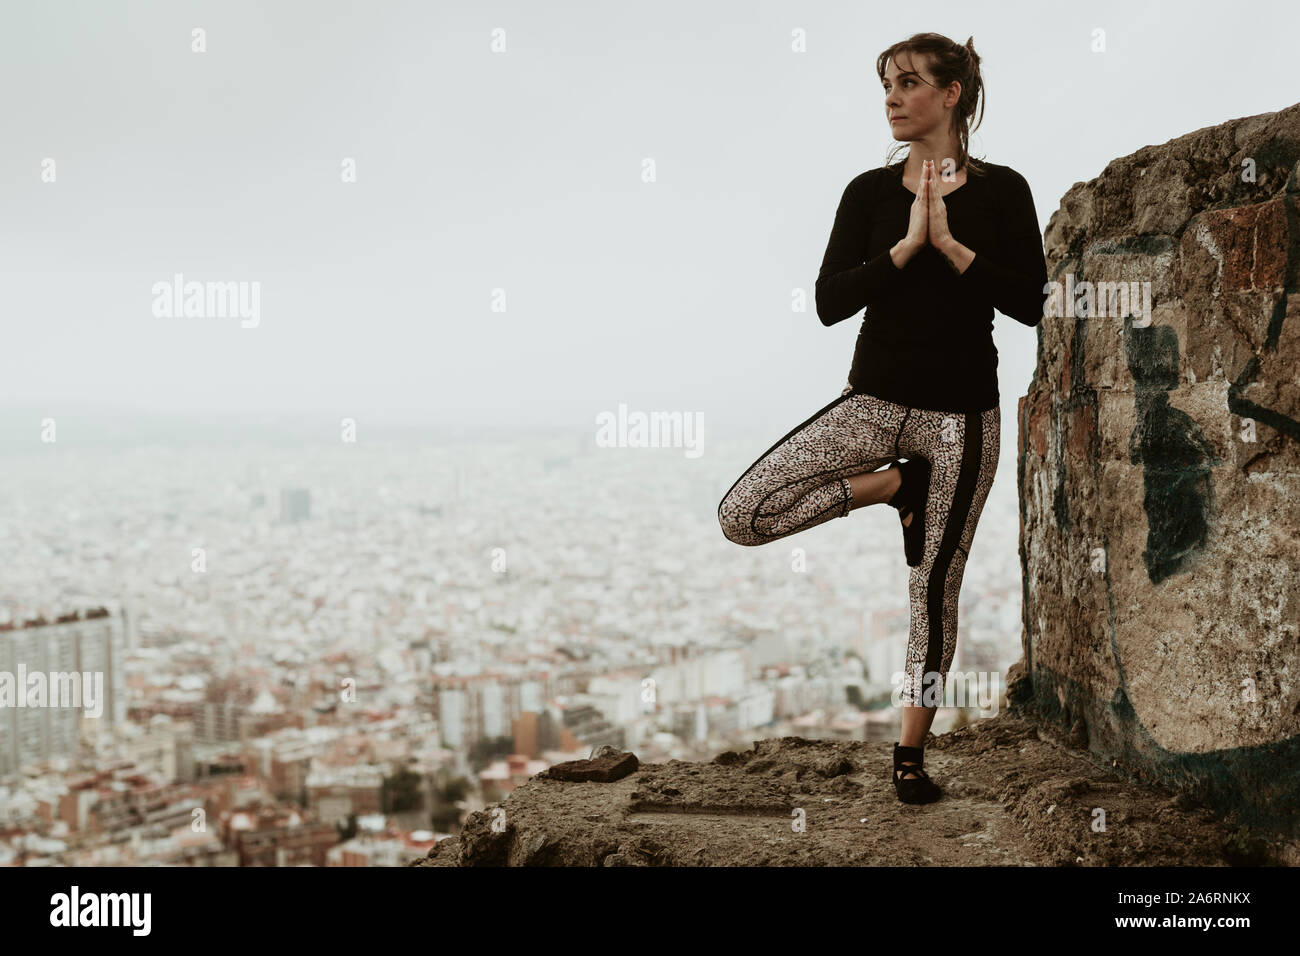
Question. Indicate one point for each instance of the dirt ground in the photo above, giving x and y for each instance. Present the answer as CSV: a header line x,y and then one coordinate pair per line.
x,y
1010,797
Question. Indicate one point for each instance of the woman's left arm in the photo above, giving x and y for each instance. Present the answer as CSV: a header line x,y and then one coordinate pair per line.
x,y
1016,282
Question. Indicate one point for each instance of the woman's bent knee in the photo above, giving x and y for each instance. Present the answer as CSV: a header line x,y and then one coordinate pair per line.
x,y
737,530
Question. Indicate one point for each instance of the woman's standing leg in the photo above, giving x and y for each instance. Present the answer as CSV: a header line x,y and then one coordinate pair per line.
x,y
963,452
802,480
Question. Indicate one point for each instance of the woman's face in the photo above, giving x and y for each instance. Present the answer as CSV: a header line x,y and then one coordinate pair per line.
x,y
913,108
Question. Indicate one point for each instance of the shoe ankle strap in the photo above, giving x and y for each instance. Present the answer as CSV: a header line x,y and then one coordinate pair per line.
x,y
912,754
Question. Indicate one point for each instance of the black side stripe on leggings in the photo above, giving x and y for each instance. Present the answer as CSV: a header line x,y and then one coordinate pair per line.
x,y
804,424
899,434
961,504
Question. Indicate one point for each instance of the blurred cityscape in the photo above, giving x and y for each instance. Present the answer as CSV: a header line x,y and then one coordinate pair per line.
x,y
328,654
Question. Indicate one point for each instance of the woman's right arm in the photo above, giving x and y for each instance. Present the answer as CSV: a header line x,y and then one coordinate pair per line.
x,y
847,283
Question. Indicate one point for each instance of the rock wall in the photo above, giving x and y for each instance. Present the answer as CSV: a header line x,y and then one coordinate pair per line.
x,y
1159,470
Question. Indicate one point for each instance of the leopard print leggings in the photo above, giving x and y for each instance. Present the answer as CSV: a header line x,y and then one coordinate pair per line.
x,y
801,482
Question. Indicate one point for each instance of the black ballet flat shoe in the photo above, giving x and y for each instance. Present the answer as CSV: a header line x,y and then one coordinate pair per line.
x,y
917,789
909,499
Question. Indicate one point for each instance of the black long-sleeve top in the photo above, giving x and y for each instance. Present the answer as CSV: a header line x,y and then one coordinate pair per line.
x,y
927,333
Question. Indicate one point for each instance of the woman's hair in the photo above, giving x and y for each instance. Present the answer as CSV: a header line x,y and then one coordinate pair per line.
x,y
947,61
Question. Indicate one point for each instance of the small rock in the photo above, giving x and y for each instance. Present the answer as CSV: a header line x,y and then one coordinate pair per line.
x,y
833,767
604,769
535,845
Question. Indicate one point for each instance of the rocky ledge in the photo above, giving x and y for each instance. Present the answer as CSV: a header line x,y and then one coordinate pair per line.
x,y
1012,796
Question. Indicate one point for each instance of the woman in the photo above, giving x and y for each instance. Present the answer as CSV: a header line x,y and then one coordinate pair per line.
x,y
929,247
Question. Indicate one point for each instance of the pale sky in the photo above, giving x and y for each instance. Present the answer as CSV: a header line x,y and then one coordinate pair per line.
x,y
520,171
